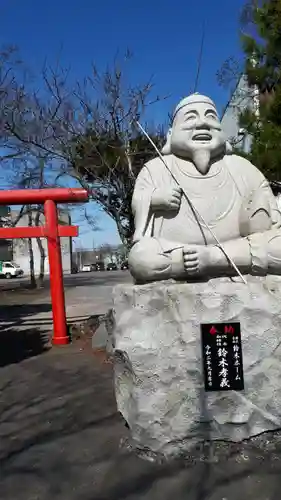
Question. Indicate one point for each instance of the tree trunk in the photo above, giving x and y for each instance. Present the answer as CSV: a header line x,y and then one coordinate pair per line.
x,y
123,234
40,280
31,256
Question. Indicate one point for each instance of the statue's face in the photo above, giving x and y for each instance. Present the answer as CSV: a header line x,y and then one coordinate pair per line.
x,y
197,127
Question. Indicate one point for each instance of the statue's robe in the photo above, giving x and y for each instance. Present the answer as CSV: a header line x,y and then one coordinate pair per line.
x,y
233,199
218,197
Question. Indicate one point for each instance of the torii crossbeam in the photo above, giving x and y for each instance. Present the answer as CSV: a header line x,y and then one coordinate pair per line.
x,y
53,232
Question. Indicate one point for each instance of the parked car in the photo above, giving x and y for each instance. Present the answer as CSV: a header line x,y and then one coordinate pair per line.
x,y
124,266
86,268
98,266
112,267
10,270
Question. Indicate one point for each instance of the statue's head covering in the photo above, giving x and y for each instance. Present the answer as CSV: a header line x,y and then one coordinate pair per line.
x,y
193,99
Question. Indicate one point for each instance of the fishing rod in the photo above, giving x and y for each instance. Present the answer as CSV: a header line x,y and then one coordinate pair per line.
x,y
191,204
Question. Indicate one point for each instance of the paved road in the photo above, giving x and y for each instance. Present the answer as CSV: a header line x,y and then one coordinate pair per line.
x,y
13,292
30,311
73,280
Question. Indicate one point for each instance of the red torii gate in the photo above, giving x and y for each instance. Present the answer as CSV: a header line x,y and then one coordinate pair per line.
x,y
52,231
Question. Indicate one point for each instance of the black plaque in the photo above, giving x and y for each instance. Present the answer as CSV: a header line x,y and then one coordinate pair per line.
x,y
222,356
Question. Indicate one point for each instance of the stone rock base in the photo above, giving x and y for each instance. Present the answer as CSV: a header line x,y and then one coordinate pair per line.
x,y
158,364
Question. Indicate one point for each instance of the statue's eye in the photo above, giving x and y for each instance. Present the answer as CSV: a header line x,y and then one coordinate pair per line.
x,y
189,117
210,114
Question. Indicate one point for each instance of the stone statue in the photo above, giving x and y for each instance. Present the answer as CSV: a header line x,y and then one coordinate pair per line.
x,y
202,180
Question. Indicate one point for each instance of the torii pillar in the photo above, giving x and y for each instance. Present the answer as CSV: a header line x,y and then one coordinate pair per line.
x,y
52,231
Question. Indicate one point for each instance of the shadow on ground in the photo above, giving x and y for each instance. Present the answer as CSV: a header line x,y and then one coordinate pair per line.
x,y
60,432
60,435
22,337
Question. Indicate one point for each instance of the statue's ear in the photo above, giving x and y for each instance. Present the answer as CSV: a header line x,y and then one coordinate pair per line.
x,y
166,150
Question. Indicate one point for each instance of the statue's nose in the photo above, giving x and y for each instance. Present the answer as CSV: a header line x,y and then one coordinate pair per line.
x,y
202,125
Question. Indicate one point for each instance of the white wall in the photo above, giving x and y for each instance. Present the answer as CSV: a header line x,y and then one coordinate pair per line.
x,y
241,98
20,249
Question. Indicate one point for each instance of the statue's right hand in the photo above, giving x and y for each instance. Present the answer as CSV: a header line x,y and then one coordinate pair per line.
x,y
166,199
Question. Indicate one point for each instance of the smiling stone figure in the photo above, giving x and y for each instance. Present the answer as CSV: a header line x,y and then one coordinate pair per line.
x,y
232,196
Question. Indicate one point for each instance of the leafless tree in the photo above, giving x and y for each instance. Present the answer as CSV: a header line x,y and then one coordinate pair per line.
x,y
89,133
107,150
107,157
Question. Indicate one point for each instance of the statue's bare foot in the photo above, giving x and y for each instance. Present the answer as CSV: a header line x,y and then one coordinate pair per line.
x,y
196,260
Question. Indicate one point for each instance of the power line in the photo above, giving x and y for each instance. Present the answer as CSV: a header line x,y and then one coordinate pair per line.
x,y
200,59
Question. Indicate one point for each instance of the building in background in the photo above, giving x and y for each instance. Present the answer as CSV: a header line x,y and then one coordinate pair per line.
x,y
105,254
20,253
243,97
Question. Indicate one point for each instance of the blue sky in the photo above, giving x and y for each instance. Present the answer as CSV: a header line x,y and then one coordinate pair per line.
x,y
163,36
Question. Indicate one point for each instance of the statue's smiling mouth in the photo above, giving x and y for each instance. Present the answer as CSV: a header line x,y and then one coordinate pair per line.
x,y
202,137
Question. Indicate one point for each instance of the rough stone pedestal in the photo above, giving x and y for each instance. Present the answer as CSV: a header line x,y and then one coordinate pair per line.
x,y
158,366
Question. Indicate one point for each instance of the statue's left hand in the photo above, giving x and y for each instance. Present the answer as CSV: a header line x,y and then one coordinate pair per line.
x,y
190,260
196,259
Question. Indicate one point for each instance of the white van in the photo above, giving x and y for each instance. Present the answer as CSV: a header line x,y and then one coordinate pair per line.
x,y
10,270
